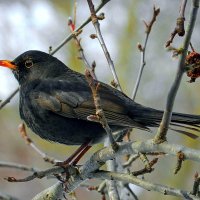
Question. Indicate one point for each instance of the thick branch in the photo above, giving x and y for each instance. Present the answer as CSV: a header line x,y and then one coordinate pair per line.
x,y
144,184
100,157
54,192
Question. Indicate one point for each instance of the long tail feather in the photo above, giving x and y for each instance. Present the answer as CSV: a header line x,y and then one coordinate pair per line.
x,y
186,124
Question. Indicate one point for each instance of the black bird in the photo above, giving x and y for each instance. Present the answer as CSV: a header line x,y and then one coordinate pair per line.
x,y
56,101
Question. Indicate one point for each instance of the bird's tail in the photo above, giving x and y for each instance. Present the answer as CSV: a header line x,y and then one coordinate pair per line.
x,y
186,124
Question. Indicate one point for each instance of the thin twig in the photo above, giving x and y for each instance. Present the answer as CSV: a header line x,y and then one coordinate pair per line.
x,y
163,128
131,191
67,39
17,166
7,100
102,43
146,169
80,49
148,26
99,111
38,174
195,189
22,130
180,159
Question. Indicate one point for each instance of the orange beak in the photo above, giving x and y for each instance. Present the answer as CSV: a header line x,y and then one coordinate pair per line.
x,y
8,64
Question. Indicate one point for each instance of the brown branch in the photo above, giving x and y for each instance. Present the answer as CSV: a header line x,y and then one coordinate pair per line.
x,y
180,159
196,184
99,117
80,48
147,169
179,29
39,174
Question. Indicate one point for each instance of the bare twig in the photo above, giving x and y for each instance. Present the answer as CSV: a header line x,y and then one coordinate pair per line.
x,y
99,111
131,191
180,159
195,190
146,169
179,29
148,26
163,128
144,159
38,174
191,46
96,24
67,39
80,49
112,189
22,130
7,100
17,166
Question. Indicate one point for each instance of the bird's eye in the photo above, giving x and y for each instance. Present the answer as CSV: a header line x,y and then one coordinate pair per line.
x,y
28,63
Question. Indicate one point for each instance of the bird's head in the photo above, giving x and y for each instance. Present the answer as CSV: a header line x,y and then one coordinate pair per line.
x,y
34,65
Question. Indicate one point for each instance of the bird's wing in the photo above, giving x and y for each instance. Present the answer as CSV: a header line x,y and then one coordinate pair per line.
x,y
75,101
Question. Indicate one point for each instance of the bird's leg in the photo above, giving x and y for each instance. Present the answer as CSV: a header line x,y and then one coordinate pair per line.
x,y
76,156
82,153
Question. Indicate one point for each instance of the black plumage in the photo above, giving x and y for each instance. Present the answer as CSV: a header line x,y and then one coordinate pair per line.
x,y
56,101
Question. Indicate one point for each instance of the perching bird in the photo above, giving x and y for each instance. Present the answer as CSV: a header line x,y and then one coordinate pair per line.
x,y
56,101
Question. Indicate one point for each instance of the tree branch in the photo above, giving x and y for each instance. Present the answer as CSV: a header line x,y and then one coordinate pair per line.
x,y
144,184
164,125
102,43
17,166
143,49
101,156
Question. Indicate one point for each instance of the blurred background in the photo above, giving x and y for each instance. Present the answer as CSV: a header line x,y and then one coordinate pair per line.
x,y
39,24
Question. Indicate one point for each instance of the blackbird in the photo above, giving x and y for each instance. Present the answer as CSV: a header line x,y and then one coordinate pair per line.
x,y
55,102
